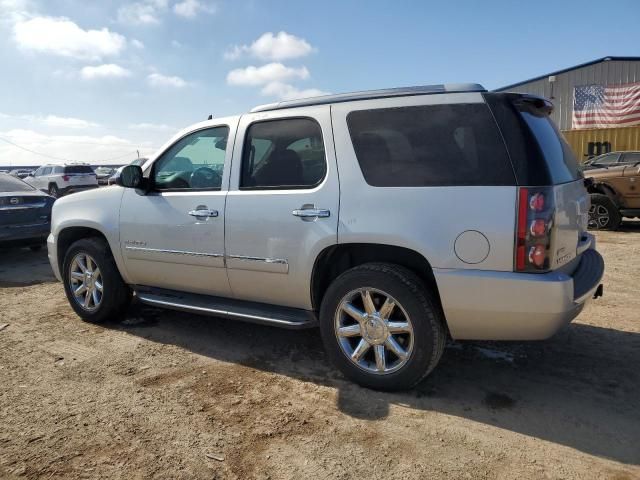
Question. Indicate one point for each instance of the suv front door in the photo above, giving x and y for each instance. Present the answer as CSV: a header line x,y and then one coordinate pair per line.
x,y
282,206
173,236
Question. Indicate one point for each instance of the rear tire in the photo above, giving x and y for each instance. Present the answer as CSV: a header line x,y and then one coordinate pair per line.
x,y
105,296
603,214
416,319
53,190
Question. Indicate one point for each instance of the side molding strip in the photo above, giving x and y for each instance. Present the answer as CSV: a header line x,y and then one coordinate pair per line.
x,y
174,252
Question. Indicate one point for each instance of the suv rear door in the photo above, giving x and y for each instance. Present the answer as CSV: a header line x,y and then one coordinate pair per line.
x,y
172,237
282,206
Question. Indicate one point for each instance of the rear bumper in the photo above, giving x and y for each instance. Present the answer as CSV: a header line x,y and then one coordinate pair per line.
x,y
24,234
489,305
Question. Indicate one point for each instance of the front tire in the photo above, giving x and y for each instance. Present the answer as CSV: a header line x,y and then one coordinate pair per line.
x,y
381,326
92,282
53,190
603,214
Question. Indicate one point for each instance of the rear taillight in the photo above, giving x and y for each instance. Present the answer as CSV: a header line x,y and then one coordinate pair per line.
x,y
536,208
65,178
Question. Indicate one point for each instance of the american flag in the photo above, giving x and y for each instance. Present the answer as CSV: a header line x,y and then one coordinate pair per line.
x,y
597,106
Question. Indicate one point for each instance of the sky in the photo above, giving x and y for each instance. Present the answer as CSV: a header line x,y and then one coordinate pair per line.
x,y
104,81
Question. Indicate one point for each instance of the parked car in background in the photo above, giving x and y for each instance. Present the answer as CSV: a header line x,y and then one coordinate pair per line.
x,y
103,174
25,213
59,180
392,219
612,159
21,172
615,193
116,174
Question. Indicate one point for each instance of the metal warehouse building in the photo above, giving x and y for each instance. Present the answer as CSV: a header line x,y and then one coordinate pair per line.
x,y
607,90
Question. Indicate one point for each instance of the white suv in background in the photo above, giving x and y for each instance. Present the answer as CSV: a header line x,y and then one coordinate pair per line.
x,y
58,180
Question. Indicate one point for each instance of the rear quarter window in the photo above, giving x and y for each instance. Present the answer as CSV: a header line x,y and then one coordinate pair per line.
x,y
432,145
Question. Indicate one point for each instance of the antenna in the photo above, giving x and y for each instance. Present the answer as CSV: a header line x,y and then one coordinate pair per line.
x,y
210,117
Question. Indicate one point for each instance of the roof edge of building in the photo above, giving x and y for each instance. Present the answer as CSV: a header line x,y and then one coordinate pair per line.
x,y
558,72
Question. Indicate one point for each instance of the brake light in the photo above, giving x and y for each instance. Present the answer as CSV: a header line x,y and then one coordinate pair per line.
x,y
65,178
534,227
538,228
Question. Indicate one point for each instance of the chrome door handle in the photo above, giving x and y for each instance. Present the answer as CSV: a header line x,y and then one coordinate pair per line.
x,y
203,212
311,213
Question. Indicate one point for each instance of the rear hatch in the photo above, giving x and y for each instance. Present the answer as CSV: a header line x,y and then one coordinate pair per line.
x,y
543,162
79,175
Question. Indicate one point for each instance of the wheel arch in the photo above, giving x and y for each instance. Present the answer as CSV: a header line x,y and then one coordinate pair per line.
x,y
604,189
336,259
69,235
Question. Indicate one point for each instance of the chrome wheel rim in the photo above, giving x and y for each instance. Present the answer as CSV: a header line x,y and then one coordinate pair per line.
x,y
85,281
374,331
598,216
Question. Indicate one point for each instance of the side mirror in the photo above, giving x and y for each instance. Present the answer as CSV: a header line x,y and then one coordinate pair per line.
x,y
130,177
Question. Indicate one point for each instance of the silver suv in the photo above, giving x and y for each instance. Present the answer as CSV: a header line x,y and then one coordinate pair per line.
x,y
58,180
391,219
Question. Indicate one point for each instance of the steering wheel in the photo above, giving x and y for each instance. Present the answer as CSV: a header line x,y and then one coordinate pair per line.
x,y
205,177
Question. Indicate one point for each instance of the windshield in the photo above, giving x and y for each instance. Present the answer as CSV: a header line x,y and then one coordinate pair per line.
x,y
13,184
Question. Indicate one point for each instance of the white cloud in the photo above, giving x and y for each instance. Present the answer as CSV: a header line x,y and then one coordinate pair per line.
x,y
137,43
52,120
159,80
285,91
281,46
61,36
147,12
67,122
271,72
12,11
190,8
158,127
86,148
108,70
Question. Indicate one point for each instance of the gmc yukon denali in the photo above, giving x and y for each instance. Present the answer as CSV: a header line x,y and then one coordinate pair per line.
x,y
392,219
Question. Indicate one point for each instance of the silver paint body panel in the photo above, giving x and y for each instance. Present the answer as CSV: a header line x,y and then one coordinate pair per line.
x,y
257,249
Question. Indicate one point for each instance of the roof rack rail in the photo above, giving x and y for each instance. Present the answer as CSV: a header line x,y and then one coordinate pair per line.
x,y
372,94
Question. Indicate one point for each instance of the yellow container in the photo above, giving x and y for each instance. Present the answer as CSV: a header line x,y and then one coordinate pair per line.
x,y
602,140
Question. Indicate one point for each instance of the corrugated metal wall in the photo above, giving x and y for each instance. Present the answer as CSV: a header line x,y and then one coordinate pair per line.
x,y
624,138
609,72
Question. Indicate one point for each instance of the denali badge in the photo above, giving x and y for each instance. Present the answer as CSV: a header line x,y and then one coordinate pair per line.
x,y
564,259
135,243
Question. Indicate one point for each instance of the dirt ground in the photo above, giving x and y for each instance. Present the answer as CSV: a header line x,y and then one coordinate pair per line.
x,y
170,395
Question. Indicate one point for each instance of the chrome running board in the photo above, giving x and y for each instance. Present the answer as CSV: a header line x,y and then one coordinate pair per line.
x,y
285,317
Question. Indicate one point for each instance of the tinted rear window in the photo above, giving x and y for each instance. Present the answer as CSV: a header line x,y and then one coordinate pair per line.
x,y
560,160
538,151
12,184
432,145
78,169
